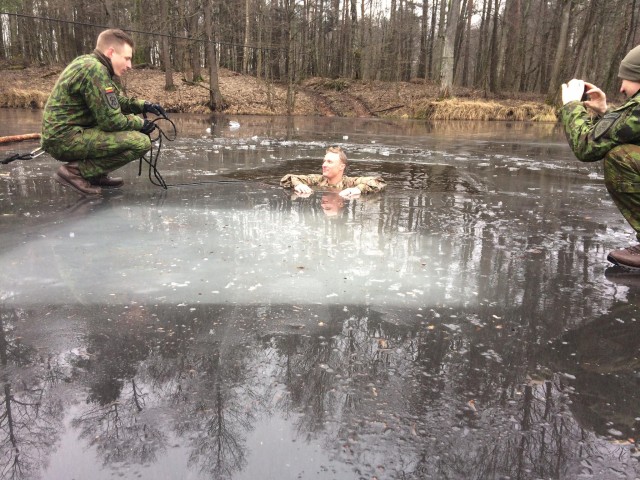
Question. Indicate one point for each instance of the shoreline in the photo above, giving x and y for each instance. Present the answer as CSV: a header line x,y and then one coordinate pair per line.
x,y
246,95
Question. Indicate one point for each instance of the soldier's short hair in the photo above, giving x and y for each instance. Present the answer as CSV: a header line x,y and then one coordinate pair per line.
x,y
340,152
113,37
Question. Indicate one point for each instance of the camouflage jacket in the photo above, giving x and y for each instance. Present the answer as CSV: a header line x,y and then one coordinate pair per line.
x,y
364,184
86,96
592,138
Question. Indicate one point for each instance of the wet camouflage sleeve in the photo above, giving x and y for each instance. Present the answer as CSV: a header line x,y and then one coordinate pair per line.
x,y
291,180
366,184
85,97
591,139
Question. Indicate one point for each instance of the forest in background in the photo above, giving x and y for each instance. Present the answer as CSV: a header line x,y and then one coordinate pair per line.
x,y
497,47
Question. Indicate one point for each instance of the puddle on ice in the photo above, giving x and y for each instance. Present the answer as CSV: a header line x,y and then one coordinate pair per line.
x,y
462,321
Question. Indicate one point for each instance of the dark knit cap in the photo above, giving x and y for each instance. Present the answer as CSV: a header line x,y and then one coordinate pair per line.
x,y
630,65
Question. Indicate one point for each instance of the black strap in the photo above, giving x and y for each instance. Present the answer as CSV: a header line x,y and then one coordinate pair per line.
x,y
23,156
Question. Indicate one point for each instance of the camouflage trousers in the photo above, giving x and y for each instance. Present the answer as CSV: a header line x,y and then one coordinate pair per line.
x,y
97,152
622,178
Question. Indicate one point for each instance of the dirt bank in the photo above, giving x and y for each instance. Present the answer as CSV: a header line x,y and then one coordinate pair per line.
x,y
29,88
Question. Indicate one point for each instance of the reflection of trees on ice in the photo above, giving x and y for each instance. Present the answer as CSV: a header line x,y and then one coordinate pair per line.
x,y
217,411
118,431
435,405
30,414
448,395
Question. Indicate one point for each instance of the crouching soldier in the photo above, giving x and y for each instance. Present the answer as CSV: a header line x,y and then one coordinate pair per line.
x,y
87,122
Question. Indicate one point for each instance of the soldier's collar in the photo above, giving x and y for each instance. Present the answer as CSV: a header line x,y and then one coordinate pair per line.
x,y
106,61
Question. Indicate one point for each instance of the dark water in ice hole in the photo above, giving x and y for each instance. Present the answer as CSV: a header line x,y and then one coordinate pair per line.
x,y
462,324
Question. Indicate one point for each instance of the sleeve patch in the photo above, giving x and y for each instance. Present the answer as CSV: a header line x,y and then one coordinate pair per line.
x,y
111,98
605,124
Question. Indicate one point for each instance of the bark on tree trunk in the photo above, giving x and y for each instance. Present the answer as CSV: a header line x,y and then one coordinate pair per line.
x,y
554,82
247,35
422,57
446,68
216,101
166,53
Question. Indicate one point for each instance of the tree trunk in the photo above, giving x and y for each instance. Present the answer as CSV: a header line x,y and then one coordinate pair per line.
x,y
554,81
481,58
247,36
216,101
467,46
431,46
422,57
446,69
353,45
166,52
512,31
441,39
493,56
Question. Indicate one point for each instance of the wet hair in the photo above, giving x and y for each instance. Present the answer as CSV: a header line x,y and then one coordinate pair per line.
x,y
113,37
340,152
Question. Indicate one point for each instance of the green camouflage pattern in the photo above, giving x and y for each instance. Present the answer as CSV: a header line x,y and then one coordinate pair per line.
x,y
622,178
96,152
614,138
364,184
87,120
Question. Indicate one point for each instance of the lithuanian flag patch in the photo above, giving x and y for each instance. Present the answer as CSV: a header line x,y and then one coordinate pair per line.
x,y
111,97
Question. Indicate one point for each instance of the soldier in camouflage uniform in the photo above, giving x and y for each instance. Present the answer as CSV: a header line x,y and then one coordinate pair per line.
x,y
89,124
333,179
613,134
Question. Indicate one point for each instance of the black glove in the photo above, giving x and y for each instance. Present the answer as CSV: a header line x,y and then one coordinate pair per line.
x,y
148,127
154,108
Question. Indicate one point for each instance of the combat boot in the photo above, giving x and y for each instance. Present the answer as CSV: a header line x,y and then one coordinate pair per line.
x,y
627,257
69,175
105,180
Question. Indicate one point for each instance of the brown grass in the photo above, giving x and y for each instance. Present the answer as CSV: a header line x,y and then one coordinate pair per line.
x,y
456,109
23,98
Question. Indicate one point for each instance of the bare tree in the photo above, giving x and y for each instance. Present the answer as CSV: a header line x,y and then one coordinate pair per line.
x,y
216,101
447,63
561,51
166,51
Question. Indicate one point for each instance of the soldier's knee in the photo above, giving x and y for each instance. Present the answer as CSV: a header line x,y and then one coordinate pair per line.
x,y
142,143
622,168
625,155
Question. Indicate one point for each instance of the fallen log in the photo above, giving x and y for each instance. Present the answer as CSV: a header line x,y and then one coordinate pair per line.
x,y
19,138
387,109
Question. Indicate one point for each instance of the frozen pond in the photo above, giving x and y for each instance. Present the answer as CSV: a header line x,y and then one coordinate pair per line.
x,y
461,324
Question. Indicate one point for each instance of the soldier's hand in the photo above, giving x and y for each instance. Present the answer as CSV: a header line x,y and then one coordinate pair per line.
x,y
154,108
350,192
597,99
572,91
148,127
302,188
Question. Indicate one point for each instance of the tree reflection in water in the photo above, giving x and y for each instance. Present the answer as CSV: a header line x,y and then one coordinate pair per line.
x,y
446,399
112,419
31,412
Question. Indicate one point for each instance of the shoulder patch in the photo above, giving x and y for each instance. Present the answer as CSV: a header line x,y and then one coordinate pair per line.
x,y
605,123
111,97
